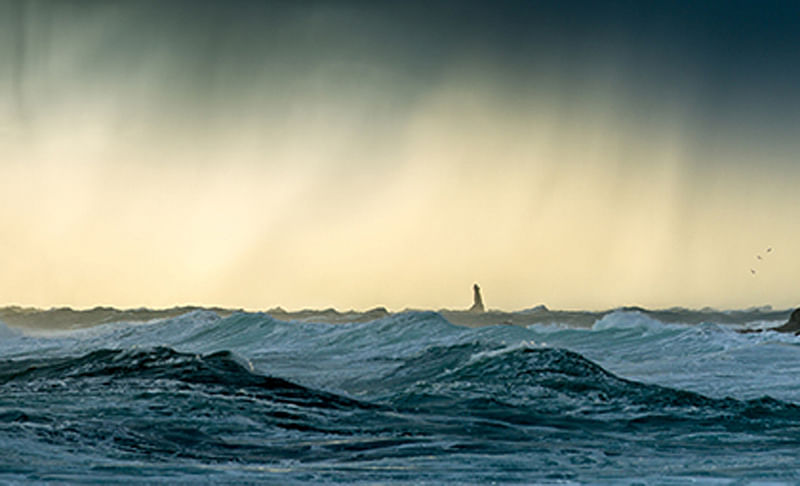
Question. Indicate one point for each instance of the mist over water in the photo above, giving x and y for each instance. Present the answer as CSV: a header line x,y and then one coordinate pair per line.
x,y
409,397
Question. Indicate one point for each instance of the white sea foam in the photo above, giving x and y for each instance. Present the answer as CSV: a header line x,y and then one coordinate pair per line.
x,y
628,320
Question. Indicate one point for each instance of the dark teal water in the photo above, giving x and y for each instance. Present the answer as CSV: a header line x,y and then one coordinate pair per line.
x,y
409,398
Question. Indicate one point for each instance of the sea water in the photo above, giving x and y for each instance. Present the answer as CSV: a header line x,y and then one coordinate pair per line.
x,y
406,399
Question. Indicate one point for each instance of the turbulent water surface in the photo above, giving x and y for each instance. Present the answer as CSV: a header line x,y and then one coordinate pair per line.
x,y
239,397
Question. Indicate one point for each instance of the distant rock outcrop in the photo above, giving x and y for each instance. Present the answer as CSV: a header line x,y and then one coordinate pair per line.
x,y
792,325
477,300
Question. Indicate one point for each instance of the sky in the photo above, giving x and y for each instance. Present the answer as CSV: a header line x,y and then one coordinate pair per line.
x,y
582,155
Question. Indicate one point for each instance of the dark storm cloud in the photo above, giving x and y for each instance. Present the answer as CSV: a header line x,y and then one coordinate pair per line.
x,y
335,133
733,47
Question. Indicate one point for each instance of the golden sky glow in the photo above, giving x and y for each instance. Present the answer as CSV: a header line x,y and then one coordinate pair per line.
x,y
353,184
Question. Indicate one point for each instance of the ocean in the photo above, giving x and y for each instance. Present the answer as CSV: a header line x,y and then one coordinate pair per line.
x,y
199,396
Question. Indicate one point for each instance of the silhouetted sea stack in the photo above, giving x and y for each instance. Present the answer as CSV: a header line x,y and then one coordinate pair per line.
x,y
477,300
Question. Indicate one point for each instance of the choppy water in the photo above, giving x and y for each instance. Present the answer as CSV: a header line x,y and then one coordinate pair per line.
x,y
409,398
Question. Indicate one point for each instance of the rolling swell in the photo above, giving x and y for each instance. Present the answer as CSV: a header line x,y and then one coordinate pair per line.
x,y
410,392
159,402
220,371
509,389
561,388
